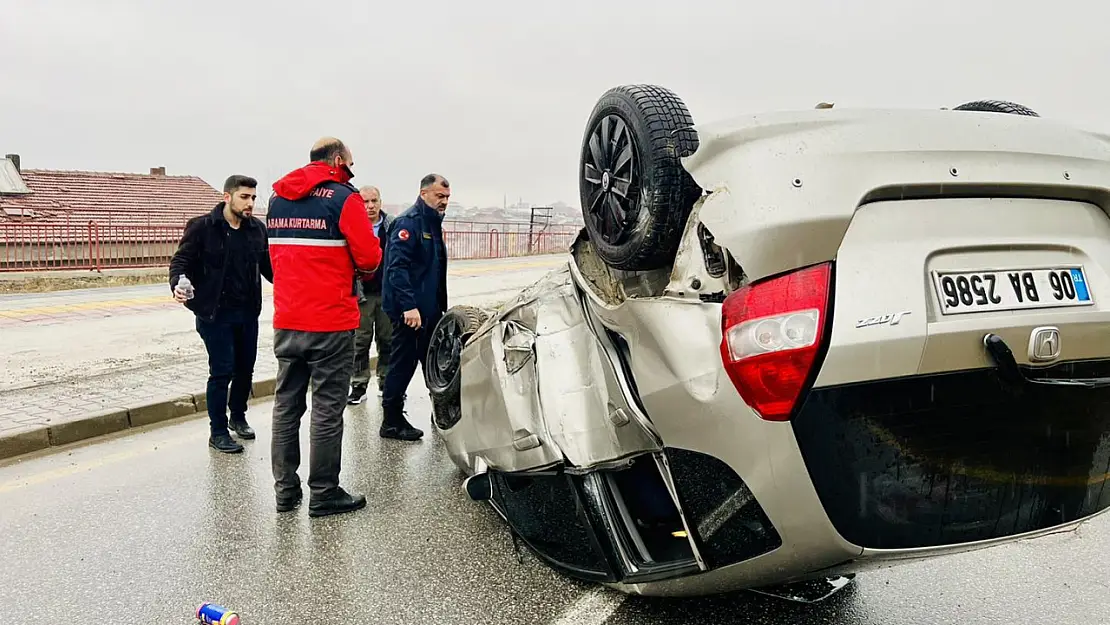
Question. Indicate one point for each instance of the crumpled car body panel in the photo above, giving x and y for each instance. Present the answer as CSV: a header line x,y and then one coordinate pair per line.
x,y
538,386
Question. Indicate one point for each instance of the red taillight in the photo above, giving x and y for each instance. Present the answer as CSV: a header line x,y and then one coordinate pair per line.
x,y
772,332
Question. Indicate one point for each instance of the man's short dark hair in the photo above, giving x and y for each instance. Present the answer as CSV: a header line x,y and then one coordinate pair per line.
x,y
431,179
239,181
327,152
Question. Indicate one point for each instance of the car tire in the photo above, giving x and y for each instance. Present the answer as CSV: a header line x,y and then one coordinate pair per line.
x,y
441,371
997,106
635,193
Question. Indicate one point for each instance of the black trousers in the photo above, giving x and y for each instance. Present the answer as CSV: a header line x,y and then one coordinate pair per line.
x,y
407,348
324,360
231,340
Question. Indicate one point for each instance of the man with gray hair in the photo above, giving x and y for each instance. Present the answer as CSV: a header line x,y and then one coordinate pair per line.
x,y
374,324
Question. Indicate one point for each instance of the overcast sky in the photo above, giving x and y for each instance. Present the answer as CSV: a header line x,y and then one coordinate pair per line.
x,y
494,94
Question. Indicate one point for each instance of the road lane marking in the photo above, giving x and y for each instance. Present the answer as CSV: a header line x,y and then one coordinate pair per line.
x,y
85,306
592,608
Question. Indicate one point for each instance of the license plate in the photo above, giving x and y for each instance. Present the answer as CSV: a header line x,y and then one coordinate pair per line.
x,y
1014,289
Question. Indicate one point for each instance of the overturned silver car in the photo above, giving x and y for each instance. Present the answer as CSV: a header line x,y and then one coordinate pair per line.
x,y
792,346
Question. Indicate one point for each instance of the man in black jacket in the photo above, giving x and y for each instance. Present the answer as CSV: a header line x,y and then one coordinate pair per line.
x,y
374,324
224,254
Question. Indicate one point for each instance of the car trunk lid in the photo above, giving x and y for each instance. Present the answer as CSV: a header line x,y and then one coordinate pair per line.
x,y
920,283
915,433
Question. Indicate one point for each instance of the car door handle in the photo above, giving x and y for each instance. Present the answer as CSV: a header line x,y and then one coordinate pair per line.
x,y
524,443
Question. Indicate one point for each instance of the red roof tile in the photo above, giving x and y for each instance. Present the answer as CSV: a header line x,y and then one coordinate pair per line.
x,y
76,197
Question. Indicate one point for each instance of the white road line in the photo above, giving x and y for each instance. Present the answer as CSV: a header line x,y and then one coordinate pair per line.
x,y
592,608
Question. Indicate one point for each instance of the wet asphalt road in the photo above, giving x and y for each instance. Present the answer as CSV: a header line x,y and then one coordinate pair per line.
x,y
142,528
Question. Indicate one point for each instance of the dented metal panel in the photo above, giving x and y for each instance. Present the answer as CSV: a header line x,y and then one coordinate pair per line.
x,y
502,420
539,387
701,266
585,406
785,185
674,357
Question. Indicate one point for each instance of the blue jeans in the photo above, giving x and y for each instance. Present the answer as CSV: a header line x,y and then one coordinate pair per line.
x,y
232,343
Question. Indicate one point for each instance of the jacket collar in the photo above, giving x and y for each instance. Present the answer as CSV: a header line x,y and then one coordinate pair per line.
x,y
217,216
426,211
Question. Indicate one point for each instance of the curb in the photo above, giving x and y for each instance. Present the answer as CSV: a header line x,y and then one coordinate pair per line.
x,y
115,420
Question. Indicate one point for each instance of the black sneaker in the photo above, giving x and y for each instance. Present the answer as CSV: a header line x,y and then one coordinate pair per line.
x,y
240,427
358,395
340,503
224,443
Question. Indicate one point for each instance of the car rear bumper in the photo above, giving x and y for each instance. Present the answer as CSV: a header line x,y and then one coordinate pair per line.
x,y
866,477
784,566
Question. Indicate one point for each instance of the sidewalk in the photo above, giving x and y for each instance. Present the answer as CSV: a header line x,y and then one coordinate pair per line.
x,y
84,364
68,412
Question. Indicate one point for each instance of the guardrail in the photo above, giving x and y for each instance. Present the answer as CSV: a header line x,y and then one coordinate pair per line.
x,y
95,246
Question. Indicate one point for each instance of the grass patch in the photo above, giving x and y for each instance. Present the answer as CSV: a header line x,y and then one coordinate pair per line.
x,y
46,285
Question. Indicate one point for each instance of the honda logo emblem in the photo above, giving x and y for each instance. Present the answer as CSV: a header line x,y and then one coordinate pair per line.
x,y
1044,344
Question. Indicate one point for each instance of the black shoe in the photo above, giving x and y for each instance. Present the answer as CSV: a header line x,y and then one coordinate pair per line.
x,y
340,503
224,443
396,425
403,432
288,502
240,427
358,395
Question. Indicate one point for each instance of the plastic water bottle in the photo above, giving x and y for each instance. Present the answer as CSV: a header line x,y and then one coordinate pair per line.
x,y
185,287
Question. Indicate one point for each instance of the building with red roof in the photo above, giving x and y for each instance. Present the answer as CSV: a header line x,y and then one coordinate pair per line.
x,y
60,196
90,219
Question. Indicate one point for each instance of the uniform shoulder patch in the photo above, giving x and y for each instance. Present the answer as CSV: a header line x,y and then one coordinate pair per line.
x,y
403,234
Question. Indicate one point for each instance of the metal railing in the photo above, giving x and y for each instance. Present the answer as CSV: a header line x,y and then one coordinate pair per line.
x,y
95,246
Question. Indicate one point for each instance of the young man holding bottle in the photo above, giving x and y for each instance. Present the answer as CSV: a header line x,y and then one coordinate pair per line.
x,y
223,256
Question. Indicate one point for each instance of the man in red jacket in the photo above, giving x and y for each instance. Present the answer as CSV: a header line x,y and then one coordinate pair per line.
x,y
319,235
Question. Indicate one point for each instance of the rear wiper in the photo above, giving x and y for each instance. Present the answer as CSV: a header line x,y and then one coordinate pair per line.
x,y
1008,367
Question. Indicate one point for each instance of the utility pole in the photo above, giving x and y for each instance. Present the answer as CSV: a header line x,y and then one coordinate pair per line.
x,y
540,219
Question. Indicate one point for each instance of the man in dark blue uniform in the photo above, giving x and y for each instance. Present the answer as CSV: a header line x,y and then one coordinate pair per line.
x,y
414,296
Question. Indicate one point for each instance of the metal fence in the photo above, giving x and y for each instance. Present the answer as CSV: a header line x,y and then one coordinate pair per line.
x,y
95,246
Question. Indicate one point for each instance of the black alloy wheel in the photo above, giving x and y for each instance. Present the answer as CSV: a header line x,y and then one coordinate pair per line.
x,y
612,172
444,350
443,362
